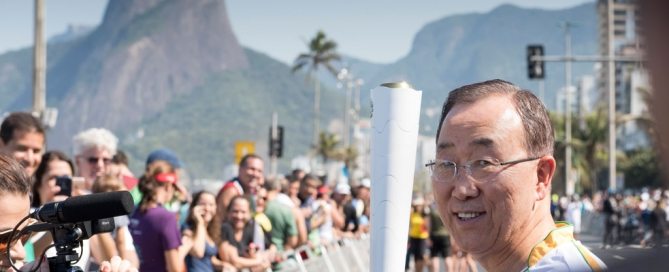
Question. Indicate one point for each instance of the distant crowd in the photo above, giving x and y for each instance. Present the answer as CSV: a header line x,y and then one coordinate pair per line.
x,y
638,217
252,222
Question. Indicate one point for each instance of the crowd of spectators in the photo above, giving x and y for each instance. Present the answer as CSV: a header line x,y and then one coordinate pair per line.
x,y
252,222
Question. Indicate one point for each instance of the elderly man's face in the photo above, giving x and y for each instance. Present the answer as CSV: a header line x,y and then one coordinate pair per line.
x,y
485,215
93,163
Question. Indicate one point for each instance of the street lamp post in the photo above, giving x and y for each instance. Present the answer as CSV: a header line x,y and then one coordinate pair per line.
x,y
570,184
345,78
39,61
612,100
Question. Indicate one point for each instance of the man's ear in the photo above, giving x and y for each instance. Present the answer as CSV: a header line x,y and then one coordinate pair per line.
x,y
545,172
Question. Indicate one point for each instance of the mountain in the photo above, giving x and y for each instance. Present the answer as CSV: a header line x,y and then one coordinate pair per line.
x,y
71,33
165,73
461,49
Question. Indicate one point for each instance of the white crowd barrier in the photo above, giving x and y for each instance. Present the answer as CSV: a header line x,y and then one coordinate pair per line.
x,y
346,255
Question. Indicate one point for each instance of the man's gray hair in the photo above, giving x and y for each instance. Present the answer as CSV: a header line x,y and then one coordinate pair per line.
x,y
539,138
95,137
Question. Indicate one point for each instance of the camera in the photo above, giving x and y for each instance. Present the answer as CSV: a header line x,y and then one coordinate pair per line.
x,y
65,184
74,220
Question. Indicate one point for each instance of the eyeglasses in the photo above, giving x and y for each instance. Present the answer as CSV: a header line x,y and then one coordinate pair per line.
x,y
479,170
95,160
4,237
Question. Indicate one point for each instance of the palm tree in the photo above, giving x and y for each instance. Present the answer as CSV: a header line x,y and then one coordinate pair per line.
x,y
590,147
327,146
322,53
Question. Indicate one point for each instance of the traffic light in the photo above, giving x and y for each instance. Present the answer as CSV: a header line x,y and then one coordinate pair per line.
x,y
535,68
276,144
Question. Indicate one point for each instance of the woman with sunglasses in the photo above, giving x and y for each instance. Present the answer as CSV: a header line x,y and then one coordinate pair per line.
x,y
14,207
154,229
53,183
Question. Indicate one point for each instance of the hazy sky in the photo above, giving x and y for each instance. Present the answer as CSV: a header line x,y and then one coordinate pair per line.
x,y
374,30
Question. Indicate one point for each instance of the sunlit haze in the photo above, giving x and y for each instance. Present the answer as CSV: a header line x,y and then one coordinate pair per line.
x,y
373,30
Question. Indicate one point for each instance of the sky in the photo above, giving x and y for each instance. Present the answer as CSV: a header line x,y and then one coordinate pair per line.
x,y
374,30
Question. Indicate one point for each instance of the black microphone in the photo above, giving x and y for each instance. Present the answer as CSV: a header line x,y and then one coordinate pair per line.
x,y
86,208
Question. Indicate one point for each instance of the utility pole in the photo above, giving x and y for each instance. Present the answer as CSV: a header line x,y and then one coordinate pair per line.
x,y
273,137
39,61
535,60
347,111
570,184
612,99
542,92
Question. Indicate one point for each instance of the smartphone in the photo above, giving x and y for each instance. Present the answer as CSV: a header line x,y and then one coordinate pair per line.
x,y
65,184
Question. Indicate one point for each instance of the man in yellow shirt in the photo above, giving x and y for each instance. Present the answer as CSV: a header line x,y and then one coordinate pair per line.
x,y
418,233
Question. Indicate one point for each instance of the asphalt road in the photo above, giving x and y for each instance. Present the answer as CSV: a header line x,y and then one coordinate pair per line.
x,y
623,257
629,257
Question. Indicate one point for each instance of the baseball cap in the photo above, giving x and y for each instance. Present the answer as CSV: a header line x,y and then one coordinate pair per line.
x,y
343,189
324,189
366,183
164,154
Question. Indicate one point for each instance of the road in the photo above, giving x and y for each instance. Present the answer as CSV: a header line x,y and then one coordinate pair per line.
x,y
623,258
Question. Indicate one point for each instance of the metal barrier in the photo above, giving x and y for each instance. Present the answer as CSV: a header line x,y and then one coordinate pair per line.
x,y
346,255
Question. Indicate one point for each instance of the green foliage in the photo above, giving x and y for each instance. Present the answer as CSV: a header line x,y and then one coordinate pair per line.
x,y
641,169
322,52
328,149
589,148
327,146
201,127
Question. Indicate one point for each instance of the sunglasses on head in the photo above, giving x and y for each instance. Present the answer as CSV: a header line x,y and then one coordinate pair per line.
x,y
5,236
95,160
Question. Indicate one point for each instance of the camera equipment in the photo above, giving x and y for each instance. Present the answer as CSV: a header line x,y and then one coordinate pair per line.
x,y
65,184
86,208
74,220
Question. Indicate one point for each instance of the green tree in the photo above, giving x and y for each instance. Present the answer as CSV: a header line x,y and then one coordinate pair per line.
x,y
641,169
322,53
589,149
327,146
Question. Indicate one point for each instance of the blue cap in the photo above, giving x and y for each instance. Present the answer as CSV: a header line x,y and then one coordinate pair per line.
x,y
164,154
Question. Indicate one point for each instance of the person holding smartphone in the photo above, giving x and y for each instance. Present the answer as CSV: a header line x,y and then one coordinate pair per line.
x,y
53,179
203,228
14,206
53,183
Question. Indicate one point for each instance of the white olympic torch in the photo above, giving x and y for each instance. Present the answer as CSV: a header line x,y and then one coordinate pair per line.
x,y
395,115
